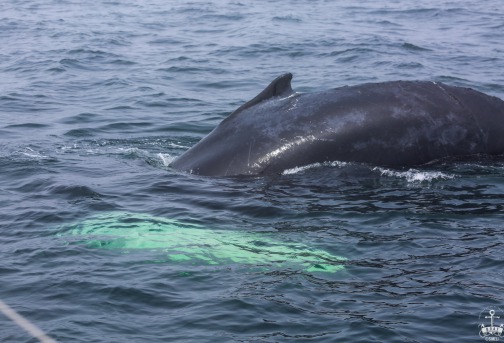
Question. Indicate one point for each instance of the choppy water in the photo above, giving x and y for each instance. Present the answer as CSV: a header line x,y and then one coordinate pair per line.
x,y
96,98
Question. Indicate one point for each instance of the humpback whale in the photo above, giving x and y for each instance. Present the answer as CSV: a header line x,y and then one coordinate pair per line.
x,y
389,124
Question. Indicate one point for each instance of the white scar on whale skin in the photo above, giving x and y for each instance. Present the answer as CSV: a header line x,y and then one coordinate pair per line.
x,y
249,152
299,141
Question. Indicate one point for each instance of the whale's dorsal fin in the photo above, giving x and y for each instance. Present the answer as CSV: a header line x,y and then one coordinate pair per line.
x,y
281,86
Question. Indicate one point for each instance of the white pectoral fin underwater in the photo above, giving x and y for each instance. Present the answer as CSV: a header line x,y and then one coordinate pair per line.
x,y
193,245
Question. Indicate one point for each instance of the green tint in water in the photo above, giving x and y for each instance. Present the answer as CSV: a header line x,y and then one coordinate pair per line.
x,y
193,244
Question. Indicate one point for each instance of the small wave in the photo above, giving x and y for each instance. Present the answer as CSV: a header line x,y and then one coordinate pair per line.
x,y
27,126
414,175
131,153
167,159
128,151
73,63
159,159
413,47
33,154
79,133
178,146
288,18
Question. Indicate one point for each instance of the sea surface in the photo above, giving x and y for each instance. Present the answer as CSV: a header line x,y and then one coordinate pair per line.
x,y
101,241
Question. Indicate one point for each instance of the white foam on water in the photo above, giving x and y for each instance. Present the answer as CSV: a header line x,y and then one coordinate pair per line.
x,y
166,159
32,154
128,150
178,146
414,175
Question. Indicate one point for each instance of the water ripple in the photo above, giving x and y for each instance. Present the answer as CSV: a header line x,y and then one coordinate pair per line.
x,y
98,98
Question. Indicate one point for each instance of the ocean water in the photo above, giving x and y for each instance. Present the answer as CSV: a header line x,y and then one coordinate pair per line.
x,y
101,241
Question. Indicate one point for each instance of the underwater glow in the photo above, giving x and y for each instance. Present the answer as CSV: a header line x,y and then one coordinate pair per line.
x,y
196,245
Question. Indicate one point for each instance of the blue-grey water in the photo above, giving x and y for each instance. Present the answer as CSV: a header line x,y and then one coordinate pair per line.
x,y
96,99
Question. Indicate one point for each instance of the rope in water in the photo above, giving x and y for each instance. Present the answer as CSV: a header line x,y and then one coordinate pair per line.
x,y
24,323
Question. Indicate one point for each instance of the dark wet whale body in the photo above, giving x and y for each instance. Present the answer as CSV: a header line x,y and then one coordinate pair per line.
x,y
394,124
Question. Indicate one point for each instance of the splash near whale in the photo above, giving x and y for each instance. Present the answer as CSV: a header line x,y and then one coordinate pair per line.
x,y
192,245
391,124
